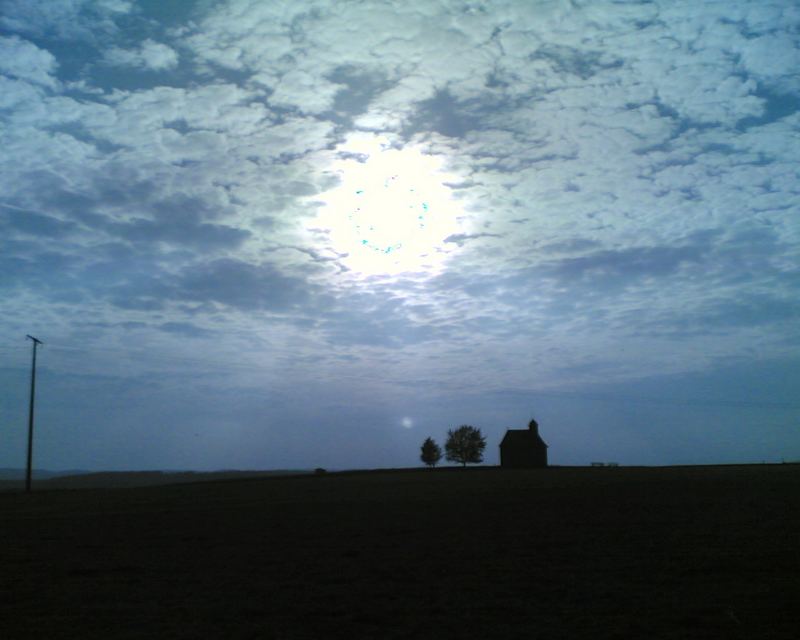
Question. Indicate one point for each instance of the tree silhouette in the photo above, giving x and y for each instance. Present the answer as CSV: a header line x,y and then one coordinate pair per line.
x,y
465,444
431,452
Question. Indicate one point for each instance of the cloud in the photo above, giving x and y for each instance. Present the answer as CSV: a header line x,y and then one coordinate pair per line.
x,y
304,92
380,319
63,19
25,61
462,238
24,267
773,59
624,264
185,329
232,283
150,55
180,228
242,285
15,220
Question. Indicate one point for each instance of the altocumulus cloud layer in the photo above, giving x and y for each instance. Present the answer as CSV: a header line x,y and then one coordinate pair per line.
x,y
290,234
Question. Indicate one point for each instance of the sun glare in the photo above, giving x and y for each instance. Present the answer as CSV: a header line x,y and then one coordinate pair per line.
x,y
392,209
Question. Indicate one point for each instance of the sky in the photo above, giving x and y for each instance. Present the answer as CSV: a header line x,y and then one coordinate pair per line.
x,y
298,234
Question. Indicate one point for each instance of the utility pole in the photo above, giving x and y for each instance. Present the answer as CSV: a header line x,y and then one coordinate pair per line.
x,y
28,470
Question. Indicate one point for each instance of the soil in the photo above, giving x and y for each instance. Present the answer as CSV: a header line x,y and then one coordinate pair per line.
x,y
682,552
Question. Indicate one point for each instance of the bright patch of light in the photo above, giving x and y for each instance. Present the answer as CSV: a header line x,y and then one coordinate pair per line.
x,y
392,209
407,423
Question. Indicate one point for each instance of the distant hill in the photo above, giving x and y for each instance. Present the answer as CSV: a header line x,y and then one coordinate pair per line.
x,y
38,474
13,479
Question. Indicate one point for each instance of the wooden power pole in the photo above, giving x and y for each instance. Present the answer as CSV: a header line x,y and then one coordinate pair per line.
x,y
29,468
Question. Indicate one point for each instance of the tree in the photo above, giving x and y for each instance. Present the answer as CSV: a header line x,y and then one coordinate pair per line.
x,y
465,444
431,452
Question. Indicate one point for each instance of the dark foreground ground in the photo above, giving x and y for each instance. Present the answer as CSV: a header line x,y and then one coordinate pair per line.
x,y
699,552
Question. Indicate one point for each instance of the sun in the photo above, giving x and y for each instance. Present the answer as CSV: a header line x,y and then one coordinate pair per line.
x,y
392,209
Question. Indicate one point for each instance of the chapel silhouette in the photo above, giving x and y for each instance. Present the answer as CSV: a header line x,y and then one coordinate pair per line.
x,y
523,448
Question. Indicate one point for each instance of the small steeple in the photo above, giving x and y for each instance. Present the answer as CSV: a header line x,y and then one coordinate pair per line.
x,y
534,426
